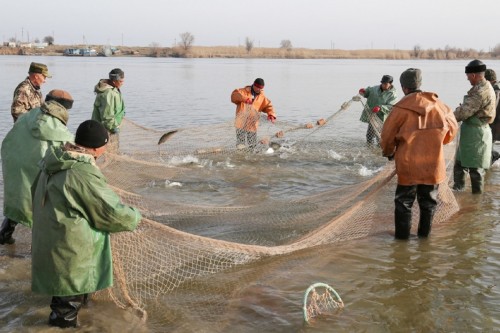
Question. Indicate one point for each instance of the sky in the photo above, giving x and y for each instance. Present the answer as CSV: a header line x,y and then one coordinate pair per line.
x,y
313,24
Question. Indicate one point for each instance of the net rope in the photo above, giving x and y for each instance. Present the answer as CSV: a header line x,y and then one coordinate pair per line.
x,y
211,208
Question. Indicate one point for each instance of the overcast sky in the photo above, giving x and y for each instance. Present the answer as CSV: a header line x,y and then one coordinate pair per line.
x,y
322,24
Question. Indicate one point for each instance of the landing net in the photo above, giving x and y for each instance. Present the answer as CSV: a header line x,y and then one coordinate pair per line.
x,y
211,208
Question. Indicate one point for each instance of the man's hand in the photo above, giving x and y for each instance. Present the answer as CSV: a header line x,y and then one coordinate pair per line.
x,y
376,109
362,91
271,118
248,101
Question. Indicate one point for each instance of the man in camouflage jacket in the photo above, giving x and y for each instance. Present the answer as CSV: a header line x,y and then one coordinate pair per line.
x,y
476,113
27,94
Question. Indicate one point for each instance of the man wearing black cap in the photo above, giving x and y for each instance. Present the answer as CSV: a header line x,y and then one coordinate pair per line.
x,y
109,108
74,212
414,134
250,101
27,94
380,100
23,147
476,113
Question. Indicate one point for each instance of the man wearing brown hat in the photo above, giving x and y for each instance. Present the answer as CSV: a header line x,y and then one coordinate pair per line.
x,y
27,94
476,113
74,212
414,134
109,107
250,101
23,147
379,102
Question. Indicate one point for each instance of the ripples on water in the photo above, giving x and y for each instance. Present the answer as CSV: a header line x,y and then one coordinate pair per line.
x,y
448,283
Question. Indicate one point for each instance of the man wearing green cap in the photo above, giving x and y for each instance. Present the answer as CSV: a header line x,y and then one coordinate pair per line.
x,y
27,94
476,113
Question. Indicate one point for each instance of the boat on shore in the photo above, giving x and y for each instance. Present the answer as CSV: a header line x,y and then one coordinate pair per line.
x,y
86,52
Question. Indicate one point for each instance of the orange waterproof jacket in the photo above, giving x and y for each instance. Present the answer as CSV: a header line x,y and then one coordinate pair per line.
x,y
415,132
247,116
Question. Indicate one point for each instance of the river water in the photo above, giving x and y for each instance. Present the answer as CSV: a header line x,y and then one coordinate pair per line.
x,y
447,283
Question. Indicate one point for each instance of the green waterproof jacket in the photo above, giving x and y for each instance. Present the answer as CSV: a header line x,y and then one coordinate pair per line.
x,y
109,108
74,212
23,147
378,97
476,113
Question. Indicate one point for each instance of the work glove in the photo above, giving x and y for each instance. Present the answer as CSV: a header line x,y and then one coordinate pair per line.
x,y
248,101
362,91
376,109
271,118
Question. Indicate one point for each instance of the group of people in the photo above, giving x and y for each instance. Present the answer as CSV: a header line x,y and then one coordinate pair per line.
x,y
53,185
416,128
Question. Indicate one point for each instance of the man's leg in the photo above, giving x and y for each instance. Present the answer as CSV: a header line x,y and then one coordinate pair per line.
x,y
240,137
252,139
65,310
477,180
404,198
427,202
458,176
6,231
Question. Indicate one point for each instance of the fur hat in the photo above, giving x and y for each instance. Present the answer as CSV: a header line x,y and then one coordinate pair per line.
x,y
411,78
91,134
60,96
475,66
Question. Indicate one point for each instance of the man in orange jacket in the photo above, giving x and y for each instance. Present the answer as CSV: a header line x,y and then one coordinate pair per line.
x,y
249,101
414,134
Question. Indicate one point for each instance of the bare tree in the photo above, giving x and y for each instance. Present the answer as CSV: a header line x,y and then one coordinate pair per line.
x,y
49,40
417,50
187,40
496,51
248,44
155,49
286,44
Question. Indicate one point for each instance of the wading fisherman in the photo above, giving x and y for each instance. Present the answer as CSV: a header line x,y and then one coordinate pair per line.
x,y
250,101
491,76
109,107
414,134
476,113
23,147
74,211
379,101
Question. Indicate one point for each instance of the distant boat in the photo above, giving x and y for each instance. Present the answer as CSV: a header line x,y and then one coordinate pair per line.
x,y
87,52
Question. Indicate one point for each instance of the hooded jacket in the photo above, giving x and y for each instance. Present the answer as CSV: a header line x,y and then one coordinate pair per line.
x,y
476,113
109,108
378,97
74,212
22,148
247,118
415,132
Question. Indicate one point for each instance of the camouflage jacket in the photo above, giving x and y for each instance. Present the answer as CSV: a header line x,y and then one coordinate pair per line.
x,y
480,102
26,97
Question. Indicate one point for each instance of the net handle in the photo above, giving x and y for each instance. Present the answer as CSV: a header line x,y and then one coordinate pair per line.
x,y
312,287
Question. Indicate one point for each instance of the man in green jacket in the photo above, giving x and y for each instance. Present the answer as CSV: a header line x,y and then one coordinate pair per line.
x,y
109,108
476,113
74,212
23,147
380,100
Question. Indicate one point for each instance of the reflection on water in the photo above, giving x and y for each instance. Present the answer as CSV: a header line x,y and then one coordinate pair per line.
x,y
448,283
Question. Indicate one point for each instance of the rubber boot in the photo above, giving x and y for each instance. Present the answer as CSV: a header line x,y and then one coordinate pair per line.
x,y
402,225
65,311
458,177
6,231
476,180
425,223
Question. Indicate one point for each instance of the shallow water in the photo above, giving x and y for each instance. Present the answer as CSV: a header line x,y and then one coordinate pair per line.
x,y
448,283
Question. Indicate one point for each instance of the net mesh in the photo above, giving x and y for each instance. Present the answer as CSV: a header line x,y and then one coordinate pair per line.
x,y
212,208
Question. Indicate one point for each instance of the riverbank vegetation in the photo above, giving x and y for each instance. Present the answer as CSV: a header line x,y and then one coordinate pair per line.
x,y
286,51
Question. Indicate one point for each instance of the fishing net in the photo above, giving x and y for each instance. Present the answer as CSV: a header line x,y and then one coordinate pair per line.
x,y
211,208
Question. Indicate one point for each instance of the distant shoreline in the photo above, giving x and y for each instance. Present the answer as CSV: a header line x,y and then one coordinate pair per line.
x,y
258,52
